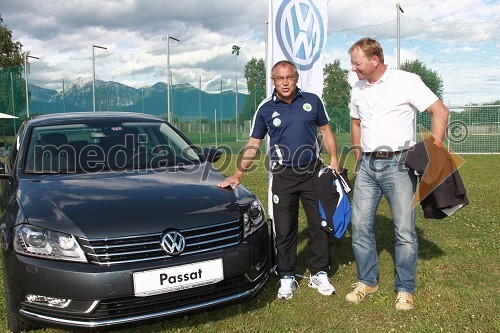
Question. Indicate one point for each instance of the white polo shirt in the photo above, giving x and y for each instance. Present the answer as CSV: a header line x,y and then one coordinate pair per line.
x,y
387,109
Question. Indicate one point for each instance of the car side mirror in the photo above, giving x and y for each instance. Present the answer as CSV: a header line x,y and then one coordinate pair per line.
x,y
4,175
212,154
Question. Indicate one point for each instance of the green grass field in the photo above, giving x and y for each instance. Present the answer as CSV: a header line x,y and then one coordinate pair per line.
x,y
458,272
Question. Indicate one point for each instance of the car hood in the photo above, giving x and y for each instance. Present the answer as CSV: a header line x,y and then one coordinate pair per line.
x,y
117,204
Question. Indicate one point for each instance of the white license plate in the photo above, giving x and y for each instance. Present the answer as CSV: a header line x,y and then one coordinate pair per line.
x,y
176,278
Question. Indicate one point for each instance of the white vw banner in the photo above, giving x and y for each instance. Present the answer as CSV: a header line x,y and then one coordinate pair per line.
x,y
297,31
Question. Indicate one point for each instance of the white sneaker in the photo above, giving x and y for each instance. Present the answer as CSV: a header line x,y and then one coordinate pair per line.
x,y
287,287
320,281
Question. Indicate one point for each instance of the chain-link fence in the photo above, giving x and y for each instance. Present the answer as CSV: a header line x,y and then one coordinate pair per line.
x,y
471,129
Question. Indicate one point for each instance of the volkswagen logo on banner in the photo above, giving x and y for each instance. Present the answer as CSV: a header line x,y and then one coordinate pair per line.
x,y
173,243
300,32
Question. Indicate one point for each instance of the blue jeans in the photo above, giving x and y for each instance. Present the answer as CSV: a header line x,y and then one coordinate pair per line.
x,y
391,178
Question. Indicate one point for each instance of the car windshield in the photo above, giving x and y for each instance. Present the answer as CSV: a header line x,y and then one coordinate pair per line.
x,y
95,147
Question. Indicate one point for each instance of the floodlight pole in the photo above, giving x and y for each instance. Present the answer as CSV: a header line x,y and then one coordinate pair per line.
x,y
12,100
63,97
215,126
398,9
199,105
236,51
169,80
93,72
26,56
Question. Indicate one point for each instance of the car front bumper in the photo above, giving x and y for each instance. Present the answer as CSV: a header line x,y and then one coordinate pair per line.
x,y
104,296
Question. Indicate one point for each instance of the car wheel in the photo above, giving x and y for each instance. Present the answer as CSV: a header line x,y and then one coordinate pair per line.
x,y
14,323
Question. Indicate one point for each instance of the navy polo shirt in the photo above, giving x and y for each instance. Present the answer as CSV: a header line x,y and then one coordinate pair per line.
x,y
292,128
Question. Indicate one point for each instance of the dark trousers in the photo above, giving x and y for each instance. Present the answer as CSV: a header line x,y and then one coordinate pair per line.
x,y
288,186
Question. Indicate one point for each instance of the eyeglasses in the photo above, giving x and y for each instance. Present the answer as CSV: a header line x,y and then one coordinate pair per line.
x,y
281,79
356,65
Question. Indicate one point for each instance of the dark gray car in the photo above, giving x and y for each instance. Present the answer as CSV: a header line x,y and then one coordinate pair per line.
x,y
112,218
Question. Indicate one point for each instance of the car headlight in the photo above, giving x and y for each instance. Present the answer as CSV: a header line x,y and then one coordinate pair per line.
x,y
253,218
44,243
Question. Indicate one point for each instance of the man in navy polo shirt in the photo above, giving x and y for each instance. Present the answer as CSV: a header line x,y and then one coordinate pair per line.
x,y
292,118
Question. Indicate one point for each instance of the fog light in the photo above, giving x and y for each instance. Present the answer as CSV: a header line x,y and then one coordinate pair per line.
x,y
48,301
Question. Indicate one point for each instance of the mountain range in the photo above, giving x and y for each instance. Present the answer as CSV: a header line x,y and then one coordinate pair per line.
x,y
113,96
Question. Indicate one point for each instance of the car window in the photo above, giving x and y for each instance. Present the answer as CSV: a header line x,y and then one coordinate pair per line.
x,y
15,147
94,147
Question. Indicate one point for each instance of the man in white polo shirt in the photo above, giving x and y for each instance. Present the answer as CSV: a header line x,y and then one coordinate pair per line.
x,y
382,109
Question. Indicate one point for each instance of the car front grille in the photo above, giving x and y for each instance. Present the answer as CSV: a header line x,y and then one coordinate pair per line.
x,y
121,250
126,306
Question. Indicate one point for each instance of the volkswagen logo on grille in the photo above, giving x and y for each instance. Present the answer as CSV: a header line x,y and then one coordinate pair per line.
x,y
301,32
173,243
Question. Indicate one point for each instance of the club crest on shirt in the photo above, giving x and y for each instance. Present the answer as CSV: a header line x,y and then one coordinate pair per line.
x,y
276,199
276,122
307,107
275,114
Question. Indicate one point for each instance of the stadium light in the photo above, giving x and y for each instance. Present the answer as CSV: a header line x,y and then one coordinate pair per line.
x,y
169,79
398,9
236,51
93,72
26,56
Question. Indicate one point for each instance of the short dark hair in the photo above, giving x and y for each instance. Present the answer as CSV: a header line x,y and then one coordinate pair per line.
x,y
370,48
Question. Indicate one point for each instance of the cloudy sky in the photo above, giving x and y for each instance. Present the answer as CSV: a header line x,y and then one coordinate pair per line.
x,y
61,34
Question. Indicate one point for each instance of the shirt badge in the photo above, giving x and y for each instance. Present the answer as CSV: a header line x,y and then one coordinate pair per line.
x,y
276,122
307,107
275,114
276,199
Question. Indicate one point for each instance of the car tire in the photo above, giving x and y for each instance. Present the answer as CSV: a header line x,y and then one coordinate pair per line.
x,y
14,323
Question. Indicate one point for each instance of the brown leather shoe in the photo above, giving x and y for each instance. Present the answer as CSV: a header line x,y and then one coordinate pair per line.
x,y
360,291
404,301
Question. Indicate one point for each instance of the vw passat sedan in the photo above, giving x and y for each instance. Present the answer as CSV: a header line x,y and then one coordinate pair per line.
x,y
112,218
